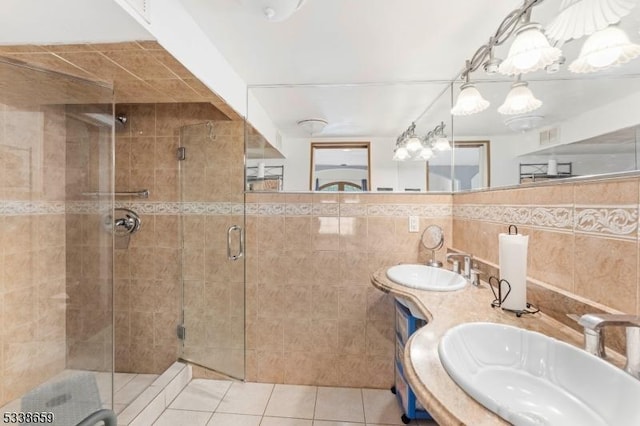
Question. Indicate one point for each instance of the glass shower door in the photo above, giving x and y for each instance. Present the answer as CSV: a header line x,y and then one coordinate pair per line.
x,y
213,271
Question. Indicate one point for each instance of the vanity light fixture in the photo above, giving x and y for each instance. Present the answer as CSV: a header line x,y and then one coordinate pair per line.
x,y
469,101
411,147
530,51
412,142
606,48
425,153
401,154
520,100
440,141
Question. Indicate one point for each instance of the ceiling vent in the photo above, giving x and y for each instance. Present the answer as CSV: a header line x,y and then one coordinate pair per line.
x,y
550,136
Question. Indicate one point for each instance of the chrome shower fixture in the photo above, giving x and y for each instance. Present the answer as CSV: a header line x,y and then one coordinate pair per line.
x,y
121,119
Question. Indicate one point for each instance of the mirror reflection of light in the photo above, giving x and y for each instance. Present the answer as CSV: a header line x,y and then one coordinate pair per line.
x,y
347,226
329,226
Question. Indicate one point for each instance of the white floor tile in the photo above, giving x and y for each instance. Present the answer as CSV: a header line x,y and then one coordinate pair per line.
x,y
201,395
282,421
381,407
342,404
246,398
225,419
183,417
292,401
134,388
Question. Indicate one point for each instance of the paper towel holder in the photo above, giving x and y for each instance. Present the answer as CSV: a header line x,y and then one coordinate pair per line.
x,y
499,298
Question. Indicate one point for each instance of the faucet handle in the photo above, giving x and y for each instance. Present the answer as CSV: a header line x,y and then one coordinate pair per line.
x,y
475,277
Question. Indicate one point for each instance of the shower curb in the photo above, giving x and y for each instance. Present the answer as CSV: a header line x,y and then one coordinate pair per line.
x,y
150,404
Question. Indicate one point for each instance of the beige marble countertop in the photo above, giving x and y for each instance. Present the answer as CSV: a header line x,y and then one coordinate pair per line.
x,y
436,391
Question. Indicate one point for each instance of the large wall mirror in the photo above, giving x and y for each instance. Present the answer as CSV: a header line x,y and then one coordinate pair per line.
x,y
587,125
590,123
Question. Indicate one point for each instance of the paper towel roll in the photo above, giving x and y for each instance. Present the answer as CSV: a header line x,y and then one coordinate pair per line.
x,y
552,168
261,170
513,268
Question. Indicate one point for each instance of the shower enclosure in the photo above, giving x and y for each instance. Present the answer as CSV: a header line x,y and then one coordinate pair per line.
x,y
213,267
56,279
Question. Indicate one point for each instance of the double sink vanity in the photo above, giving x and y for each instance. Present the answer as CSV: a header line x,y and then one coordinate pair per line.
x,y
477,365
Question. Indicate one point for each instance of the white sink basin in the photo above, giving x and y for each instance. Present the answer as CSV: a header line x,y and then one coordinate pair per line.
x,y
528,378
424,277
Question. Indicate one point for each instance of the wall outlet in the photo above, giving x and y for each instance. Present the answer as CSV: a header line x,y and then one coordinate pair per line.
x,y
414,224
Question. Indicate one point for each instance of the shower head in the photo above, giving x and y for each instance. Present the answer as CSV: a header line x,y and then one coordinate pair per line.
x,y
101,119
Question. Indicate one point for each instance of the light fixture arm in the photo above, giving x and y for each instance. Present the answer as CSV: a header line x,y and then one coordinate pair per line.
x,y
506,28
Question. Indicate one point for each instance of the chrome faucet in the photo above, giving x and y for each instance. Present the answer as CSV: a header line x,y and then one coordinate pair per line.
x,y
466,258
594,338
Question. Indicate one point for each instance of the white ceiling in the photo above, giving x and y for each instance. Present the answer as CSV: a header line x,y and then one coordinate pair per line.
x,y
353,43
330,52
66,21
350,41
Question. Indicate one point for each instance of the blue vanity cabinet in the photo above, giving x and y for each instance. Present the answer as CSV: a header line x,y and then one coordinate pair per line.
x,y
406,325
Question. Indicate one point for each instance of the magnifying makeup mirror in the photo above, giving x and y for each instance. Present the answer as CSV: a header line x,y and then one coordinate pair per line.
x,y
433,239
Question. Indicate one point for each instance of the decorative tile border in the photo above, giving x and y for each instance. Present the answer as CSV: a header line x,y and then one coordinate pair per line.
x,y
555,217
16,208
619,221
403,210
272,209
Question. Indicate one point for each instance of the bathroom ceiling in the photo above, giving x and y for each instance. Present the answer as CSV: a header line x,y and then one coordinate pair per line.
x,y
333,59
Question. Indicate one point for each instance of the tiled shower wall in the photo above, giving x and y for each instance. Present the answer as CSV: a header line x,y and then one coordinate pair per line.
x,y
148,272
312,315
583,236
32,247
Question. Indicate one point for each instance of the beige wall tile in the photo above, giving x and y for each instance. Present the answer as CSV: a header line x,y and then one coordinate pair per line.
x,y
353,233
297,235
551,255
604,274
614,192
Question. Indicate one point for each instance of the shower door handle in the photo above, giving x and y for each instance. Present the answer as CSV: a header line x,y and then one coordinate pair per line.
x,y
240,251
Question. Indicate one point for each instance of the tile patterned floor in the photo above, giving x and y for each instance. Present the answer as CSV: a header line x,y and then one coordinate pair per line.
x,y
224,403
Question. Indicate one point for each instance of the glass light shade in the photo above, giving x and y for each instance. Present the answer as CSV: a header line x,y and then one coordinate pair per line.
x,y
469,101
530,51
584,17
425,153
520,100
413,144
603,49
401,154
442,144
